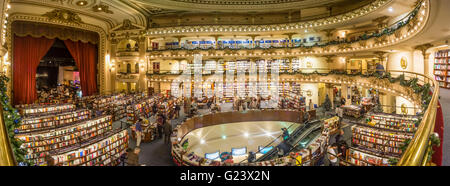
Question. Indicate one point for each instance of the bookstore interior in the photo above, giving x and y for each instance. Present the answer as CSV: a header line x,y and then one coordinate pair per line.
x,y
224,83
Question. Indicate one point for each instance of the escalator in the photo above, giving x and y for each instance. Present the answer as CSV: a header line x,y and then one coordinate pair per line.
x,y
298,136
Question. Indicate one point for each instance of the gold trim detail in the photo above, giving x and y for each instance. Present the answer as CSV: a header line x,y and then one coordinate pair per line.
x,y
64,16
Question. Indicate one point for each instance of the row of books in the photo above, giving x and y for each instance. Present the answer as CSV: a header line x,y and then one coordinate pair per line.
x,y
442,61
330,125
45,110
442,53
440,67
136,110
438,78
37,123
94,154
399,123
361,158
379,140
68,130
440,73
382,134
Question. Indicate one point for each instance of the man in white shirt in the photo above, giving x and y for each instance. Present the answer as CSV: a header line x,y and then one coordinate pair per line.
x,y
332,156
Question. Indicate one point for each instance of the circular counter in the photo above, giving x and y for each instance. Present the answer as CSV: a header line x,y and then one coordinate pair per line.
x,y
223,132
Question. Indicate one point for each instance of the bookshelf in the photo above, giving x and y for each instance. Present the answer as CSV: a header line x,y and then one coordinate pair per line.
x,y
52,121
40,144
441,68
36,110
379,140
363,158
97,152
331,125
134,111
397,123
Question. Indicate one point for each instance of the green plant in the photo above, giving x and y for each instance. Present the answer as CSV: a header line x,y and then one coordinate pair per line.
x,y
12,120
393,161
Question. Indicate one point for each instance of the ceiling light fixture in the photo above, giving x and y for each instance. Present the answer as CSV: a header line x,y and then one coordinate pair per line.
x,y
390,9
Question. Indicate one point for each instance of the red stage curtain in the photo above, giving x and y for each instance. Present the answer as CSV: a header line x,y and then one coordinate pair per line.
x,y
85,55
28,52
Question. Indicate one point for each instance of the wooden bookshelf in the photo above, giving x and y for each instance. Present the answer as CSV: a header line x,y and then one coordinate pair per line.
x,y
40,144
385,142
396,123
441,68
32,124
42,110
102,151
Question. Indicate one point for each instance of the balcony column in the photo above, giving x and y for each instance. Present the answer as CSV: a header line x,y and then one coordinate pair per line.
x,y
216,39
329,33
289,35
345,94
329,59
113,71
179,40
423,48
290,64
381,58
142,74
253,36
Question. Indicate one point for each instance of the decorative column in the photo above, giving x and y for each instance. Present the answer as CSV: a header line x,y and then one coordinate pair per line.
x,y
216,39
179,40
113,68
142,74
290,64
344,93
423,48
380,55
329,33
253,36
329,60
290,43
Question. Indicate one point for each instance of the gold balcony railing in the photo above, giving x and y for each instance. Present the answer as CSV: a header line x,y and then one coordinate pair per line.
x,y
420,145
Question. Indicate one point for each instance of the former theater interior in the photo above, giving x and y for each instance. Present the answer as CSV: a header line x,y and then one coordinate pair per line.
x,y
224,83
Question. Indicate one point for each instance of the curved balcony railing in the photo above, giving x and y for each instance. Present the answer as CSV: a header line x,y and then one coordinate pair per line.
x,y
387,31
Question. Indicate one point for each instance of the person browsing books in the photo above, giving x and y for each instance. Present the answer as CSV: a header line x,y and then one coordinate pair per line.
x,y
138,132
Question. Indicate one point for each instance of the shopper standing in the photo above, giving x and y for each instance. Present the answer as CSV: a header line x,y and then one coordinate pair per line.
x,y
133,157
311,105
138,132
161,121
167,132
332,156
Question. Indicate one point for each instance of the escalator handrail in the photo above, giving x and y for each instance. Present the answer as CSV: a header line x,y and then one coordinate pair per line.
x,y
272,151
269,143
302,138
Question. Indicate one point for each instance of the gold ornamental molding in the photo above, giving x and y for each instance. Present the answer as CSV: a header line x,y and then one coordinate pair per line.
x,y
376,43
79,25
65,16
289,27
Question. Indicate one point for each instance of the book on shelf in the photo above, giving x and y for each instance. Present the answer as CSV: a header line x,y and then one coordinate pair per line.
x,y
44,109
38,144
52,121
104,152
379,140
398,123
